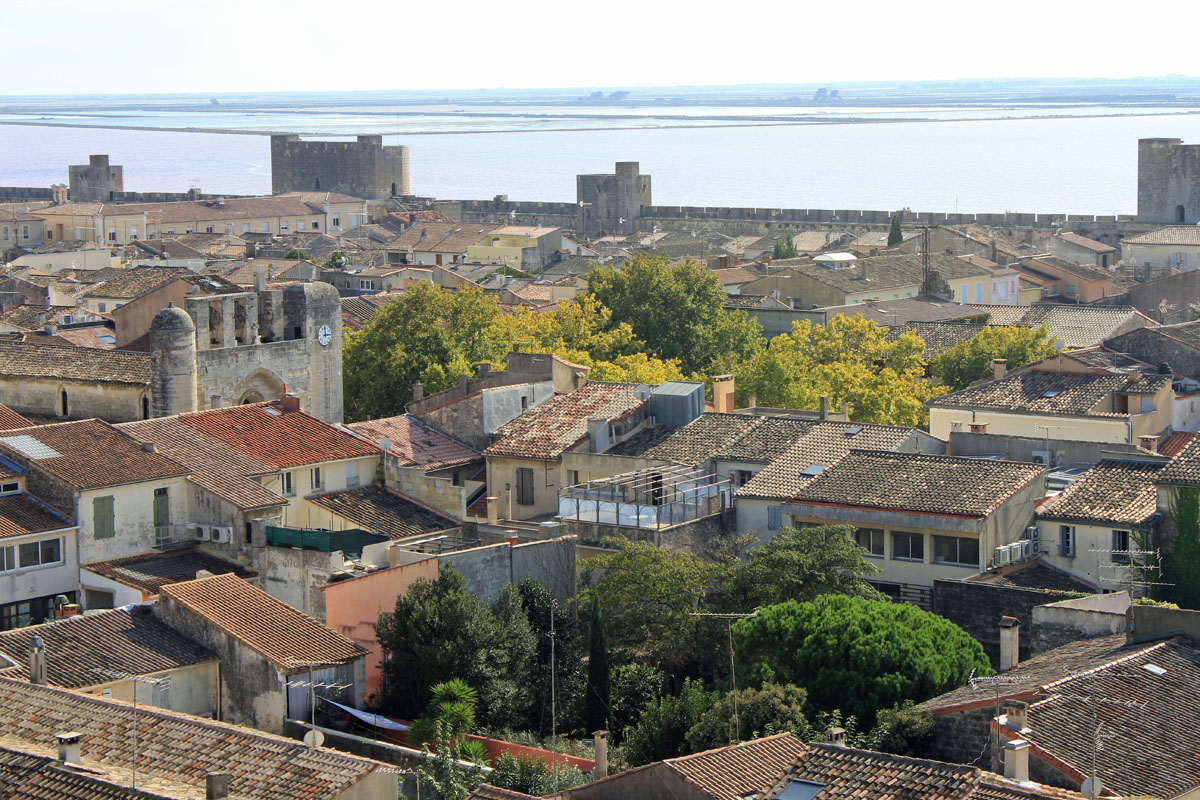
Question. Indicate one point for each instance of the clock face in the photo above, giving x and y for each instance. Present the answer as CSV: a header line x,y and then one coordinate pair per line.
x,y
324,335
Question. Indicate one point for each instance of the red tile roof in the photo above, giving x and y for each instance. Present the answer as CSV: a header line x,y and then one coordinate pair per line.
x,y
270,627
561,422
731,773
1175,443
10,419
414,444
88,454
283,439
21,515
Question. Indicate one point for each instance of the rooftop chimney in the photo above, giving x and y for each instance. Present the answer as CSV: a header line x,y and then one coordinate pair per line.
x,y
214,401
260,277
216,785
836,736
1016,714
1010,637
1148,442
979,427
68,747
598,434
824,407
37,661
289,403
723,388
601,748
50,328
418,390
1016,760
999,368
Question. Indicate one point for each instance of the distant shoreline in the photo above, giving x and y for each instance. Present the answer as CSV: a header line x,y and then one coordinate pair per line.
x,y
751,122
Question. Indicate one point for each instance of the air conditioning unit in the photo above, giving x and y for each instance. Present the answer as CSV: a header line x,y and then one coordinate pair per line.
x,y
203,533
222,535
1014,552
1033,533
1003,556
1043,457
1028,549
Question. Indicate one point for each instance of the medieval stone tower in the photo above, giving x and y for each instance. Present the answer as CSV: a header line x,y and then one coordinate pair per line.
x,y
612,203
1168,181
245,347
96,181
362,168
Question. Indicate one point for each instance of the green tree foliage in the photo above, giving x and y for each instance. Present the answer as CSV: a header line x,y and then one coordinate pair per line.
x,y
428,334
970,361
634,687
337,260
851,360
785,247
440,630
857,655
296,252
664,725
647,595
596,700
1181,561
444,774
801,565
450,714
895,234
744,714
539,604
532,776
901,729
677,310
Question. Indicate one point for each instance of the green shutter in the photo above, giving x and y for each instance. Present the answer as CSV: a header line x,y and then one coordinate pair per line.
x,y
103,524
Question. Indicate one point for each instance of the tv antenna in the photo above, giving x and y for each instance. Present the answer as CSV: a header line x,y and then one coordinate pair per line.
x,y
729,618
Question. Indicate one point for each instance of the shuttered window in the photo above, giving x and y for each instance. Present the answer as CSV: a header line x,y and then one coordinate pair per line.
x,y
103,522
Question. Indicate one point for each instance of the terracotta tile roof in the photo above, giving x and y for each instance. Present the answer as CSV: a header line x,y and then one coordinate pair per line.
x,y
886,271
381,510
10,419
1101,357
1033,574
282,439
96,336
149,572
135,282
1073,325
442,237
21,515
69,451
216,466
24,360
1184,468
26,776
1188,235
127,639
731,276
270,627
486,791
824,443
1150,750
33,317
1036,672
850,773
1175,443
1059,393
1089,244
296,204
561,422
244,274
264,766
1112,492
979,261
690,444
915,482
1089,272
415,444
754,301
732,773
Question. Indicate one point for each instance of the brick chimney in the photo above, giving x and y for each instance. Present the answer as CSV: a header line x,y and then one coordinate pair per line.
x,y
1148,442
1016,714
1010,638
289,403
978,427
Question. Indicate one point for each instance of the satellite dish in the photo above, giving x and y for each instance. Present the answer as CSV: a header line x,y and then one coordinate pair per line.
x,y
1092,787
314,738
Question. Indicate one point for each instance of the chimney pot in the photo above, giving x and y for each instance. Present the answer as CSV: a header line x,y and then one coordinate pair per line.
x,y
999,368
1010,642
601,747
418,390
68,747
979,427
1016,714
1016,760
836,736
824,407
37,661
1148,442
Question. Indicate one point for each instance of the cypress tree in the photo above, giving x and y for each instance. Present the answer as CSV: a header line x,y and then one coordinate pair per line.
x,y
596,703
895,236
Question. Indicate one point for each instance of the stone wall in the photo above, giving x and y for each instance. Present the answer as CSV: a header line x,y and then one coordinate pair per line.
x,y
1168,181
488,569
1146,345
977,609
113,402
362,168
963,737
295,576
1056,624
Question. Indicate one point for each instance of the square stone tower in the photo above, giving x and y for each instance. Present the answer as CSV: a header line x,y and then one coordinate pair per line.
x,y
362,168
1168,181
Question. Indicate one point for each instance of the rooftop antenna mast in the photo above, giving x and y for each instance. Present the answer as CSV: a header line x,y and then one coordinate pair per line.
x,y
729,618
314,738
136,679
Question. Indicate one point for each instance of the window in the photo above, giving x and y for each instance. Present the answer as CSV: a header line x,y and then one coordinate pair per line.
x,y
741,477
908,546
25,235
365,284
1066,541
228,229
316,225
248,532
871,540
354,220
978,291
963,296
266,227
245,227
162,516
352,474
524,486
103,307
37,554
8,558
132,232
956,550
1002,289
1120,547
456,479
208,228
524,402
103,520
288,489
112,234
774,518
316,478
337,222
572,477
9,488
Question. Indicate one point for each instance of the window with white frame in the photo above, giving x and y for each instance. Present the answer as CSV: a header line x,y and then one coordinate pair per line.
x,y
871,540
337,222
245,227
289,488
1066,541
10,488
316,478
40,554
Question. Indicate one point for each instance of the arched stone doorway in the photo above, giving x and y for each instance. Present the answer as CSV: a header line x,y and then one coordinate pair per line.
x,y
257,387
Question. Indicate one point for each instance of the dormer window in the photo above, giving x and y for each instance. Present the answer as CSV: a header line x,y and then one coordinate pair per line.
x,y
10,487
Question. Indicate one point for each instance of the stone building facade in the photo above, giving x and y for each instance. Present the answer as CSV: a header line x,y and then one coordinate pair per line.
x,y
362,168
612,203
96,181
1168,181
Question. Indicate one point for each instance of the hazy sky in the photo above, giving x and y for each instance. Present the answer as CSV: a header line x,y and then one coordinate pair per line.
x,y
139,46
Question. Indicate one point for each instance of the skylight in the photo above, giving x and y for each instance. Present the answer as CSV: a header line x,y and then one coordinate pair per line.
x,y
31,447
1154,669
812,470
1050,393
800,790
853,430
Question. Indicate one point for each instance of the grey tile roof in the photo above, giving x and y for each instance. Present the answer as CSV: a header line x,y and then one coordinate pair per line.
x,y
920,483
1060,393
1072,325
1171,234
561,422
766,442
939,336
1089,244
823,443
1089,272
1184,469
23,360
1112,492
25,776
690,444
886,271
375,508
891,313
128,640
149,572
1032,574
